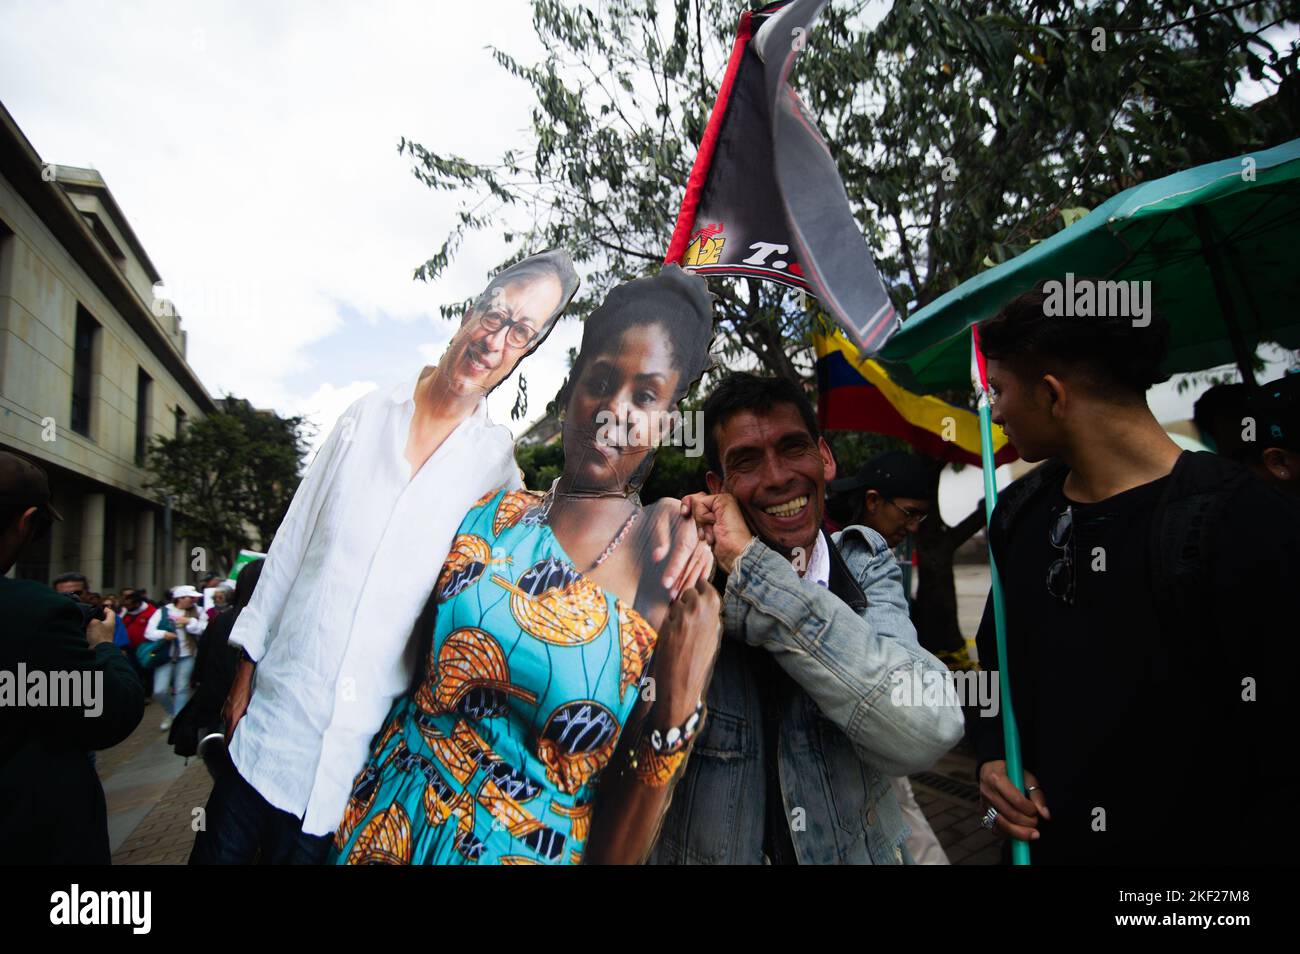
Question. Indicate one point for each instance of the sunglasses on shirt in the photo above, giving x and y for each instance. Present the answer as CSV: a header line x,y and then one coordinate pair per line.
x,y
1060,574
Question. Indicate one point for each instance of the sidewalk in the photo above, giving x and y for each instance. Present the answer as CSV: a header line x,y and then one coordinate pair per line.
x,y
155,798
949,794
153,795
949,797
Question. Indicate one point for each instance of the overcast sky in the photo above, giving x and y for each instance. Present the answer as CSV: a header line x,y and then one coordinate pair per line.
x,y
253,148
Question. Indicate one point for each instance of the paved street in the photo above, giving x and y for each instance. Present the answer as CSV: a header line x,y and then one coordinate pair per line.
x,y
154,796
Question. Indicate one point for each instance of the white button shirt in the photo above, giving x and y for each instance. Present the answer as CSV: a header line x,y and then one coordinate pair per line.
x,y
348,572
819,562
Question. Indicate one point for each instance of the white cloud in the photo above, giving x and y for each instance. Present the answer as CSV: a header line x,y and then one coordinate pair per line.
x,y
253,148
326,405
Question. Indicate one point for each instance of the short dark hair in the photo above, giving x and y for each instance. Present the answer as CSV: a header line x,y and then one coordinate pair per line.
x,y
553,263
1217,414
676,300
1115,357
70,577
1274,408
1277,404
9,514
743,391
247,581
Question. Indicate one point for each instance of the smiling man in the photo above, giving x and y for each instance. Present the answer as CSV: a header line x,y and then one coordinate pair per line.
x,y
794,764
326,636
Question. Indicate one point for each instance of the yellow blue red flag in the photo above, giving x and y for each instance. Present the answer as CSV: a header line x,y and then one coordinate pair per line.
x,y
855,394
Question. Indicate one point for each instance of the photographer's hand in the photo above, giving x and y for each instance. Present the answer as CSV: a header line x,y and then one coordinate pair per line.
x,y
101,630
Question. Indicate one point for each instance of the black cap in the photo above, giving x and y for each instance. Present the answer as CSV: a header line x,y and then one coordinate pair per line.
x,y
893,474
1277,405
23,484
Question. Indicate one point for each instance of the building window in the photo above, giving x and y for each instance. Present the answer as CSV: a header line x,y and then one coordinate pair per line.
x,y
142,388
6,273
109,580
181,417
6,237
83,369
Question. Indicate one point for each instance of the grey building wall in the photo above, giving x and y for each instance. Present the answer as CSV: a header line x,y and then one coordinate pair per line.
x,y
66,250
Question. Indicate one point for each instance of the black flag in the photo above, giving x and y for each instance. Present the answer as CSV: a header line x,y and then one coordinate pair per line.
x,y
764,199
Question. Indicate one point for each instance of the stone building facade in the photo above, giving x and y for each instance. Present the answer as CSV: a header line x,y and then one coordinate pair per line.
x,y
92,367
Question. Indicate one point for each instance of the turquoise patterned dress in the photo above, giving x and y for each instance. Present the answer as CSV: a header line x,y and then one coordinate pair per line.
x,y
532,673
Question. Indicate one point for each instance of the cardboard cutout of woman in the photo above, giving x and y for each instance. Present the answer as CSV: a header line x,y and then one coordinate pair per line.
x,y
565,676
328,630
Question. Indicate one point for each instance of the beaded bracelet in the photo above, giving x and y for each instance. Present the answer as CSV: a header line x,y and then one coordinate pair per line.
x,y
678,737
653,768
656,756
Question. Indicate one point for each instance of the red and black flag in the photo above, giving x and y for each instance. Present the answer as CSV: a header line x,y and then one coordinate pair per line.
x,y
765,199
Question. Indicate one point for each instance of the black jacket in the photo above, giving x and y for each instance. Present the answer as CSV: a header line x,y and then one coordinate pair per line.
x,y
214,674
1225,564
52,808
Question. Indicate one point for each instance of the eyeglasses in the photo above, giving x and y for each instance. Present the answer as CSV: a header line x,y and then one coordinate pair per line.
x,y
519,335
1060,575
913,516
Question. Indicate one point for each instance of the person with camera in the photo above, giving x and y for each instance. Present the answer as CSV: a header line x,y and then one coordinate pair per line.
x,y
52,808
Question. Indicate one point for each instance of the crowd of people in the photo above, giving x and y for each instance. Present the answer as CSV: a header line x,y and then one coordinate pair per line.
x,y
125,649
438,665
160,640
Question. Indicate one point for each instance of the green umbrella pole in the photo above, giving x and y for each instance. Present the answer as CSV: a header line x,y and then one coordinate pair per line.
x,y
1010,731
1226,307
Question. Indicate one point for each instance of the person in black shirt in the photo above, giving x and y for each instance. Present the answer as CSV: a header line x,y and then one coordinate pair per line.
x,y
52,808
1260,428
1149,595
199,727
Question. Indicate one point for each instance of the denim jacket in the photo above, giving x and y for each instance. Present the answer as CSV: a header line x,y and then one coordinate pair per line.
x,y
840,736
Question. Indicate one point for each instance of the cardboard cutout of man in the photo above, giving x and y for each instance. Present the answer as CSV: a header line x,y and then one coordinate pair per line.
x,y
326,637
567,647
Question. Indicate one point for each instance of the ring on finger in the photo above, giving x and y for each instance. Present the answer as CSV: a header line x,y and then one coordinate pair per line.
x,y
989,818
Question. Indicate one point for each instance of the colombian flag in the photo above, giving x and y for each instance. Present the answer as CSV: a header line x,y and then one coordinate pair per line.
x,y
855,394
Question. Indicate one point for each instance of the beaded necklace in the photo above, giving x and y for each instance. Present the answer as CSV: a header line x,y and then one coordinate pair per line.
x,y
545,509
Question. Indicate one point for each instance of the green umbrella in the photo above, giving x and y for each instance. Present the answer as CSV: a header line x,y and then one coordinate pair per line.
x,y
1219,243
